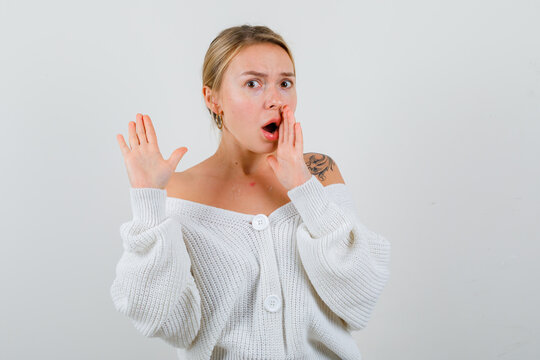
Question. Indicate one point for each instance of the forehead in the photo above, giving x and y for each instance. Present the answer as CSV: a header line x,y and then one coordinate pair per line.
x,y
266,58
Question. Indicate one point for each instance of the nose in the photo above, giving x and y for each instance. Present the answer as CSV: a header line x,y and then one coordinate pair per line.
x,y
275,100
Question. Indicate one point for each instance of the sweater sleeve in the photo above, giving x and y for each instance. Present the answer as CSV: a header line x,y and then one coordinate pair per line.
x,y
347,264
154,286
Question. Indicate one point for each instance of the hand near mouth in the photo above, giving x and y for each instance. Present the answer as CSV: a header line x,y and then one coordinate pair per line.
x,y
288,164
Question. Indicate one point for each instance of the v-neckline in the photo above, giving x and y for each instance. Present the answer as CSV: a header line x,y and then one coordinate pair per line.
x,y
188,205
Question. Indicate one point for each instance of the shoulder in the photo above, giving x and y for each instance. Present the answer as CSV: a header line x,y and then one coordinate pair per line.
x,y
176,186
324,168
182,183
192,182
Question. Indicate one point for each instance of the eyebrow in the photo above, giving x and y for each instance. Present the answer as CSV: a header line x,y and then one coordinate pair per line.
x,y
256,73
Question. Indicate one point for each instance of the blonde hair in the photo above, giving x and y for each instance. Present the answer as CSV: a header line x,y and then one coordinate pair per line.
x,y
227,45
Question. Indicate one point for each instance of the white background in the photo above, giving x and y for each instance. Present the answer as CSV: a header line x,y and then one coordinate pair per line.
x,y
430,108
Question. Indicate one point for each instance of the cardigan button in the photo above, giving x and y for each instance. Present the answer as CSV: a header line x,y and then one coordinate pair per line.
x,y
272,303
259,221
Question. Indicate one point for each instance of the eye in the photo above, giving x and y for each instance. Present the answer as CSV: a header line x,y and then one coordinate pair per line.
x,y
250,81
289,81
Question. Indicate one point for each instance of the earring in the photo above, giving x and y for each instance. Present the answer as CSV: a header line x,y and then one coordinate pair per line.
x,y
219,121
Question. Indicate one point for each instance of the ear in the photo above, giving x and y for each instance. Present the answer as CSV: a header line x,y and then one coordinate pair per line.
x,y
210,99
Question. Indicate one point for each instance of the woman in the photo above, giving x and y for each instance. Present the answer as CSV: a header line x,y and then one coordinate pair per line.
x,y
256,252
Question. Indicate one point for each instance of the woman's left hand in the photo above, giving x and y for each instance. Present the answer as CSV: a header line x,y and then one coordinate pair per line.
x,y
288,164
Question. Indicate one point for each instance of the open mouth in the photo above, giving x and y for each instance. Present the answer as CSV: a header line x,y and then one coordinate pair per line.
x,y
270,127
270,131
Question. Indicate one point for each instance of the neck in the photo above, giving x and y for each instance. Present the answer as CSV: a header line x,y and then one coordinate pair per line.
x,y
237,162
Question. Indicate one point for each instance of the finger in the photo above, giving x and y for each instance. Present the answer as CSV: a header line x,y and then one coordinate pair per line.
x,y
150,132
271,159
123,146
285,126
141,133
281,127
176,156
292,127
299,143
133,139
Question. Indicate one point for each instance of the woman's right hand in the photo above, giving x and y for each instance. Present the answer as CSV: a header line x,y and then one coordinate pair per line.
x,y
145,164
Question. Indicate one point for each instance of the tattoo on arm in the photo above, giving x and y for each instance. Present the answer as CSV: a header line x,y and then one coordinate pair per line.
x,y
319,164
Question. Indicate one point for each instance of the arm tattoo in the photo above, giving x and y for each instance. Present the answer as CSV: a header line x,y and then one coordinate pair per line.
x,y
318,164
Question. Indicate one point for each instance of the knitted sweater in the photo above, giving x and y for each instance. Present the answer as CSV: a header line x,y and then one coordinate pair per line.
x,y
220,284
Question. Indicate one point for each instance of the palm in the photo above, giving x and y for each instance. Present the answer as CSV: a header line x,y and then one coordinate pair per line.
x,y
145,165
288,162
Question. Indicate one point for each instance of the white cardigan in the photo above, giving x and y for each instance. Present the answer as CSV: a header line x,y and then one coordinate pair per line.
x,y
220,284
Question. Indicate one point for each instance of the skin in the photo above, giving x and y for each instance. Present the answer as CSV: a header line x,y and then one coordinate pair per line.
x,y
246,166
246,102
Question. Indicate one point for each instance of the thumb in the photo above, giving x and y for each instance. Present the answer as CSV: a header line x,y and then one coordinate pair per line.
x,y
176,156
271,159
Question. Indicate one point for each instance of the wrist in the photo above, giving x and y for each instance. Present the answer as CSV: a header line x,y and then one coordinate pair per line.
x,y
301,179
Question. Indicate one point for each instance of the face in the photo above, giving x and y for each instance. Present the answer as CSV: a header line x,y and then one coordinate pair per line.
x,y
248,101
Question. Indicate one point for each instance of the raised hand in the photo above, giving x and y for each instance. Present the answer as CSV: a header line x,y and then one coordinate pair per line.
x,y
288,164
144,162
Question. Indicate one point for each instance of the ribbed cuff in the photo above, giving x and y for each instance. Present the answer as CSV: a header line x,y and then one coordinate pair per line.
x,y
148,205
313,205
